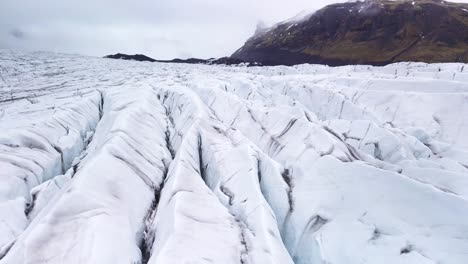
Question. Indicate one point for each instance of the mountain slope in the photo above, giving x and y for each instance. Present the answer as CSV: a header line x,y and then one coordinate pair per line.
x,y
371,32
117,162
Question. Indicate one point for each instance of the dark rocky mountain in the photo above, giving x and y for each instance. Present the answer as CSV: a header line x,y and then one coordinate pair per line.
x,y
374,32
136,57
140,57
190,61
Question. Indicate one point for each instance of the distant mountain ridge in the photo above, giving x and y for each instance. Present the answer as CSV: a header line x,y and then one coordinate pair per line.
x,y
136,57
141,57
376,32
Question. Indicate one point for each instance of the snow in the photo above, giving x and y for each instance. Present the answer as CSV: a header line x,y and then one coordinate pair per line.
x,y
302,16
108,161
290,26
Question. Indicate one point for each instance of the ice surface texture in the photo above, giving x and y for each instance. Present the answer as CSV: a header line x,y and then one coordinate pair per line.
x,y
109,162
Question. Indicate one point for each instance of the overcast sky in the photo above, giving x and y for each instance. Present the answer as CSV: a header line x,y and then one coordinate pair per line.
x,y
162,29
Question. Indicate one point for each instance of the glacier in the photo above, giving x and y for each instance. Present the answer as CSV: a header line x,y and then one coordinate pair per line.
x,y
108,161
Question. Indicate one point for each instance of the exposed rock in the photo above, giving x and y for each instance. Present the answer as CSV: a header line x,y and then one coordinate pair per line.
x,y
371,32
136,57
212,61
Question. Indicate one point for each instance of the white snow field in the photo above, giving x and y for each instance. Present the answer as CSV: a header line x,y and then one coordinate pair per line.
x,y
118,162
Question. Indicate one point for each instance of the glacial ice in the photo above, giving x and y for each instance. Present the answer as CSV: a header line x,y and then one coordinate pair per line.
x,y
108,161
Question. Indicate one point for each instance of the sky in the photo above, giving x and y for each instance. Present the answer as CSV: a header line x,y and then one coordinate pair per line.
x,y
162,29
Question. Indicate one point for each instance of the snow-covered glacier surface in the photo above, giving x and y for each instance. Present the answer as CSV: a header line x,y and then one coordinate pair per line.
x,y
109,162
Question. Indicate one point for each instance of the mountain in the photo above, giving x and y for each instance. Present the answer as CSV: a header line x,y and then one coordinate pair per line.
x,y
371,32
150,163
136,57
213,61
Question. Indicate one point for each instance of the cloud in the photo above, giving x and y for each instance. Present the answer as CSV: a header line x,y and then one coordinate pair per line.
x,y
16,33
159,28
